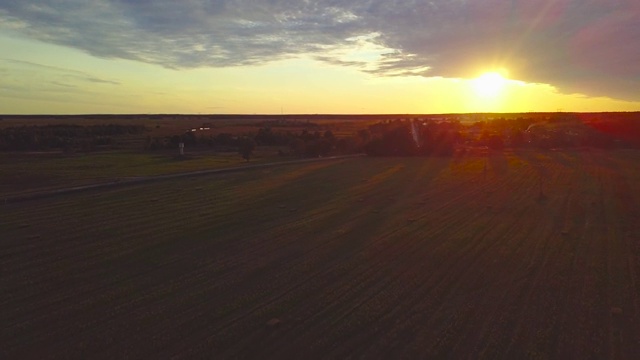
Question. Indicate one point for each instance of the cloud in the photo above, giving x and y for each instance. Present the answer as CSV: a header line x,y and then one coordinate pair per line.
x,y
29,80
590,47
64,85
52,71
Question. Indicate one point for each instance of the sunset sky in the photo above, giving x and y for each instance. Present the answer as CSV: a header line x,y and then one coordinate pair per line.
x,y
325,56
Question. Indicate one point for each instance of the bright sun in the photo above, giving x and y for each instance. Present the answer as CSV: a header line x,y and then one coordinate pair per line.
x,y
489,84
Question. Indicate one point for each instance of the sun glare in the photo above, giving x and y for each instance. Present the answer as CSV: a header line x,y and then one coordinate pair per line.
x,y
489,84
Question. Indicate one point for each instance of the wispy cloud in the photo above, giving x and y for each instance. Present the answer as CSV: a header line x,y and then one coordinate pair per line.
x,y
55,71
57,83
29,80
591,47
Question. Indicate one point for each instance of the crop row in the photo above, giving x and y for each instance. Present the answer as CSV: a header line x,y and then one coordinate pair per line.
x,y
513,255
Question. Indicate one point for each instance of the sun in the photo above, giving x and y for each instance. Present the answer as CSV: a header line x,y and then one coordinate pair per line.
x,y
489,84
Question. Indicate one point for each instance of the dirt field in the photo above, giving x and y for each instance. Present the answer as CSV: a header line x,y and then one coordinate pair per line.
x,y
363,258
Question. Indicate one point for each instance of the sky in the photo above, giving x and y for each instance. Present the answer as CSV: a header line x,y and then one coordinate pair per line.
x,y
323,56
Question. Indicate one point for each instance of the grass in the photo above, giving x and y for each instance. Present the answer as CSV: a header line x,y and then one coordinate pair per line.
x,y
33,172
409,263
30,172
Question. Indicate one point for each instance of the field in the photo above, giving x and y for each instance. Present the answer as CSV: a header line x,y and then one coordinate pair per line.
x,y
514,255
43,170
29,172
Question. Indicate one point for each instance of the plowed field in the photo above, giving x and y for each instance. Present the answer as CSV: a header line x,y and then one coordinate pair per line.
x,y
513,256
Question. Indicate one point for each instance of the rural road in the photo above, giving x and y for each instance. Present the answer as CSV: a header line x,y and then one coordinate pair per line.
x,y
147,179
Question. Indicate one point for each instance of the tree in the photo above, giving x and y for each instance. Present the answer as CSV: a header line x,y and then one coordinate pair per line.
x,y
518,139
298,147
495,142
246,147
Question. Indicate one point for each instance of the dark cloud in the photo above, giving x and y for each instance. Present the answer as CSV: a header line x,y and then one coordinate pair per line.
x,y
585,46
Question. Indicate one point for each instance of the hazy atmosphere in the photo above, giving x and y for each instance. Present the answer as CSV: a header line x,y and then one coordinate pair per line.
x,y
327,56
320,179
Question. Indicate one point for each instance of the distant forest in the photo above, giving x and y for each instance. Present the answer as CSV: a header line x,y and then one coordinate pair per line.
x,y
410,136
417,137
63,137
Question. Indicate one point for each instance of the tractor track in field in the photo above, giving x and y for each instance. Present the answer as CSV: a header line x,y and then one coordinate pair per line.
x,y
14,198
82,246
367,287
310,276
453,200
404,258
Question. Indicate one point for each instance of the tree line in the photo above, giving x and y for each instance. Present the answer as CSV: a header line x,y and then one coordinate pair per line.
x,y
398,137
63,137
413,138
302,144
